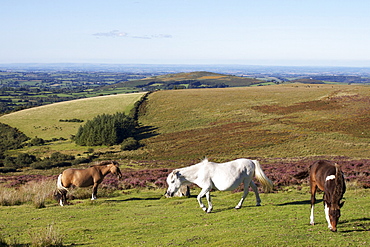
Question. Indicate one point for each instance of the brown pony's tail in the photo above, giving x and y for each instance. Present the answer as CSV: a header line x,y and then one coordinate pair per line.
x,y
60,188
340,186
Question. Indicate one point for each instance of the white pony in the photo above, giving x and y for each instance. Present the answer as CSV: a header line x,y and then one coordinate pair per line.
x,y
221,176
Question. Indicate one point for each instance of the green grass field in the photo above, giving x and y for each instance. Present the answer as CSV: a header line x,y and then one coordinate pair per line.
x,y
146,218
43,121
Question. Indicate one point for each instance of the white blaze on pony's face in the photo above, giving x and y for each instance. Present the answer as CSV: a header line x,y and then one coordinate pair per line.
x,y
332,215
173,182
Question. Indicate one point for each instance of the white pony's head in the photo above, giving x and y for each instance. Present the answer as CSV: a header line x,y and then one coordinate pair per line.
x,y
174,183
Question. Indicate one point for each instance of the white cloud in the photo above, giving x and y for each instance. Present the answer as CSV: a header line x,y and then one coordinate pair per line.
x,y
113,33
117,33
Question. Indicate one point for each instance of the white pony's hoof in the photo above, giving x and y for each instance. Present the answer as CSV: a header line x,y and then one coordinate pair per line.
x,y
237,207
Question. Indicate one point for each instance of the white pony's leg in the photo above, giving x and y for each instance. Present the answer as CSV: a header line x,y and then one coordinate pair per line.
x,y
210,206
255,189
312,221
246,183
199,198
61,202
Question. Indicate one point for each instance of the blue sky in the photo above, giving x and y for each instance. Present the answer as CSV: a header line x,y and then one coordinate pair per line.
x,y
258,32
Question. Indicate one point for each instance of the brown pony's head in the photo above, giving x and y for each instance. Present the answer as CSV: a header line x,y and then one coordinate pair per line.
x,y
334,214
114,169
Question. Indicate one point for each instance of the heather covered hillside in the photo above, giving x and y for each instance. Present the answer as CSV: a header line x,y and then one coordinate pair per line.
x,y
282,121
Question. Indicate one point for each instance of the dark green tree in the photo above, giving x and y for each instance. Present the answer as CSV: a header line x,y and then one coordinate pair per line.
x,y
106,130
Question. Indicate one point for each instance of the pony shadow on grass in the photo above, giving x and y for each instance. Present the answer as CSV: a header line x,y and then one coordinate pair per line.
x,y
299,202
136,199
358,225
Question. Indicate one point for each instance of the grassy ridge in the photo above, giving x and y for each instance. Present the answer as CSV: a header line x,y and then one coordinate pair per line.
x,y
43,121
146,218
272,121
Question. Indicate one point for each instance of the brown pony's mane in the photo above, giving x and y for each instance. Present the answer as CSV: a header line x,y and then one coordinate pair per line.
x,y
106,162
338,190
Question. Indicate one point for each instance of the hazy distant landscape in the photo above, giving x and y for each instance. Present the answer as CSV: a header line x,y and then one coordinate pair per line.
x,y
28,85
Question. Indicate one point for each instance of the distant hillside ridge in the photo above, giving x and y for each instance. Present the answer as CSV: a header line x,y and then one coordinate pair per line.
x,y
199,79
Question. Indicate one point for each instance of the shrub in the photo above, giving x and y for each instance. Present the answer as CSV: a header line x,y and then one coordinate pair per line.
x,y
42,164
80,161
130,144
37,141
57,156
7,169
24,159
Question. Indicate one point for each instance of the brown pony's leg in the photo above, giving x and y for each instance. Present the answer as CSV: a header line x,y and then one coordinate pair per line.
x,y
64,198
94,191
313,200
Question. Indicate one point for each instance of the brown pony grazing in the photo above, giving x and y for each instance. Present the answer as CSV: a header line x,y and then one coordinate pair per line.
x,y
329,178
93,175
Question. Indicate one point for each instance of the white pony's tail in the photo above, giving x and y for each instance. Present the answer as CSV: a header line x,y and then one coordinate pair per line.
x,y
262,178
60,186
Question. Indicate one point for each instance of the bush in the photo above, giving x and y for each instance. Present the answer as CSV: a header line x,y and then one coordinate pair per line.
x,y
37,141
7,169
80,161
25,160
57,156
130,144
43,164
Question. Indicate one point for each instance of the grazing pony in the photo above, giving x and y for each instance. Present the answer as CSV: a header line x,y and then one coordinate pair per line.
x,y
329,178
93,175
221,176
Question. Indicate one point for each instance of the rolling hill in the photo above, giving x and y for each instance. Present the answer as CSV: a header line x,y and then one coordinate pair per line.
x,y
200,79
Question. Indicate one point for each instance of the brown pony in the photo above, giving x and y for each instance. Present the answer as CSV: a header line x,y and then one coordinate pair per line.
x,y
93,175
329,178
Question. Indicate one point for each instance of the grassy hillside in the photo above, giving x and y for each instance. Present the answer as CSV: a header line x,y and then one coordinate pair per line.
x,y
273,121
43,121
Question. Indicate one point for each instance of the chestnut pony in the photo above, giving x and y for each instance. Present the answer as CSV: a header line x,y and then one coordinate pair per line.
x,y
93,175
328,177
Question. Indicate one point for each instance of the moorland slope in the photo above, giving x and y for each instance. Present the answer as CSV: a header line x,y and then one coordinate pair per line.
x,y
294,120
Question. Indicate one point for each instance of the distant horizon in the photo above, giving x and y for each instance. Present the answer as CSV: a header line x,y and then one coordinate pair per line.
x,y
177,32
365,64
